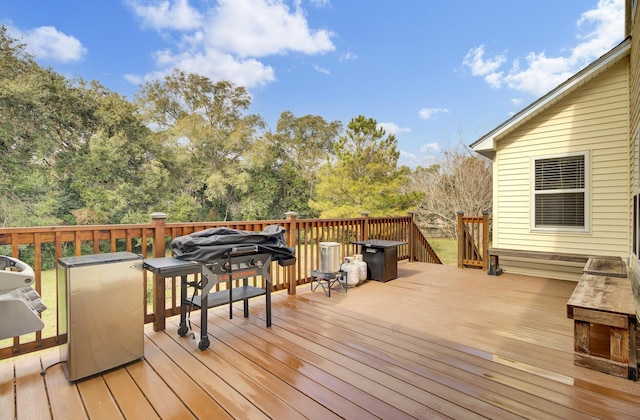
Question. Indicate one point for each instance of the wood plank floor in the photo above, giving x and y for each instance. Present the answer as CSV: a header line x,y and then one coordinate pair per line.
x,y
437,342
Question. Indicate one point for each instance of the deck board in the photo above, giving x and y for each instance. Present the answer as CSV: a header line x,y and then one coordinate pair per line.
x,y
437,342
65,400
164,401
31,396
315,383
131,401
411,367
7,404
185,388
417,397
324,371
282,391
457,368
98,401
242,381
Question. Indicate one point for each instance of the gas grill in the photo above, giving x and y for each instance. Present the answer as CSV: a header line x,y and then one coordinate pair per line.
x,y
222,255
20,304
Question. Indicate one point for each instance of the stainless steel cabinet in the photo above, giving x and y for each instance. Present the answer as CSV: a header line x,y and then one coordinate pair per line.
x,y
100,309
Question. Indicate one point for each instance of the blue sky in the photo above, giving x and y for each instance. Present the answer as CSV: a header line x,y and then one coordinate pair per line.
x,y
433,73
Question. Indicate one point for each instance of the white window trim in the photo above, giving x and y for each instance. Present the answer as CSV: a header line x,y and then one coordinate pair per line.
x,y
587,195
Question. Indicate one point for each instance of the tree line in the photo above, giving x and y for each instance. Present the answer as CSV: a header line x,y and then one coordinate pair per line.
x,y
74,152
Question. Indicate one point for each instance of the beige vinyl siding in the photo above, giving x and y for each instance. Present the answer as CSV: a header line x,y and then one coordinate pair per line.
x,y
593,119
634,118
634,101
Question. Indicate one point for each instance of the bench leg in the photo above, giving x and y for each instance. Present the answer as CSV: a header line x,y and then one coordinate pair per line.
x,y
494,266
633,355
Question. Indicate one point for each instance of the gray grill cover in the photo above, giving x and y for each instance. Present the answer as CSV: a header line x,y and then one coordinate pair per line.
x,y
212,244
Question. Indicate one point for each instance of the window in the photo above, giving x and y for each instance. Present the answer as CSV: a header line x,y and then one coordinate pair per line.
x,y
560,185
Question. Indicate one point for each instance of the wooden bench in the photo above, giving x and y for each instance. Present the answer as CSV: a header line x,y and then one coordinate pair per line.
x,y
603,309
495,253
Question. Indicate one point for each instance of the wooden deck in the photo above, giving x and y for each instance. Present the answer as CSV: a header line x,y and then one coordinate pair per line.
x,y
436,342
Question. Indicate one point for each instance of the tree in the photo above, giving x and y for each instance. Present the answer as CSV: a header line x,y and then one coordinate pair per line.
x,y
284,166
364,175
115,176
204,125
461,181
42,116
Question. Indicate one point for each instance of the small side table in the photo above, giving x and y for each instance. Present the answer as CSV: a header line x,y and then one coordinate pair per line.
x,y
325,280
381,257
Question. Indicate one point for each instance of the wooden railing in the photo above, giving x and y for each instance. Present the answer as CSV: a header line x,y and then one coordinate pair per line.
x,y
41,247
473,238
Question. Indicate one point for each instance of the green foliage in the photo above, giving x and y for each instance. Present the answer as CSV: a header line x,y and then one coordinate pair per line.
x,y
284,167
26,143
364,176
202,126
74,152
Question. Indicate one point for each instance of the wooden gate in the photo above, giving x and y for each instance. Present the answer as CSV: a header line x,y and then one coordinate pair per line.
x,y
473,239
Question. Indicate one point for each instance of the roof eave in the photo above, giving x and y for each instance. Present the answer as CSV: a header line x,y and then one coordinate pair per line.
x,y
486,145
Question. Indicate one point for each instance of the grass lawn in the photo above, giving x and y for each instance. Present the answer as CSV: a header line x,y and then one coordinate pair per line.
x,y
446,248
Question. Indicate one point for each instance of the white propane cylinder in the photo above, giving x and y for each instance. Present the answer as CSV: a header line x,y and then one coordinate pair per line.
x,y
351,276
362,267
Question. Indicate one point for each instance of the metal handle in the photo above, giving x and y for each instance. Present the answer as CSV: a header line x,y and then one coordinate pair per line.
x,y
22,267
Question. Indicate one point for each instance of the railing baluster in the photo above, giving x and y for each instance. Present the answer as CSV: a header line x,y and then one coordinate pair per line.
x,y
303,234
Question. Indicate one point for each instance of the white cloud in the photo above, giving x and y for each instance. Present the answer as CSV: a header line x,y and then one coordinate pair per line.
x,y
259,28
348,56
229,40
134,79
412,160
215,65
428,113
494,79
430,148
321,70
166,15
407,155
320,3
392,128
46,42
603,28
479,65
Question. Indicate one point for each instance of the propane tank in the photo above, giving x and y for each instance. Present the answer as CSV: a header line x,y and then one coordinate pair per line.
x,y
362,267
351,274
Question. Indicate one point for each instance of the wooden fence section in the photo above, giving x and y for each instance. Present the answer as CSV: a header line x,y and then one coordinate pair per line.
x,y
422,251
473,241
41,247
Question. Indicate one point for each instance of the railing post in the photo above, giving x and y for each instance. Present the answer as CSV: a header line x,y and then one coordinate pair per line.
x,y
158,250
365,225
412,226
485,240
291,242
460,239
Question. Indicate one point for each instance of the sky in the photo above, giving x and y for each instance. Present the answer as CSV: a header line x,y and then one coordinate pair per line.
x,y
433,73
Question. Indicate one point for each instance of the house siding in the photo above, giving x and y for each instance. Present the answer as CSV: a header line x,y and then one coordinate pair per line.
x,y
595,119
634,143
634,105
